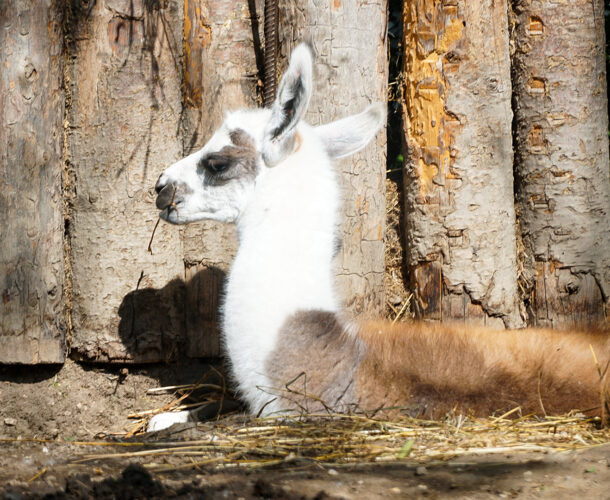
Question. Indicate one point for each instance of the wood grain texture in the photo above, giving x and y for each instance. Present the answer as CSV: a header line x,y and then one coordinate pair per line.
x,y
221,75
349,41
32,316
561,143
125,77
459,212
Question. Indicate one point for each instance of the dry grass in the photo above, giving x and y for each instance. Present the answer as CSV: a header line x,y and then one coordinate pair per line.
x,y
344,440
152,236
338,440
398,303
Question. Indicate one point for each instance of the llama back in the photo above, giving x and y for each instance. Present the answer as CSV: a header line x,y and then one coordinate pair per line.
x,y
314,365
427,370
431,369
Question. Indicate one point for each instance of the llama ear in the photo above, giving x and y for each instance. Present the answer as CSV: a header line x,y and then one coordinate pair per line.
x,y
349,135
289,107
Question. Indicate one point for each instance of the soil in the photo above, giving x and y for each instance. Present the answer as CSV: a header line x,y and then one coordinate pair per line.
x,y
49,415
77,401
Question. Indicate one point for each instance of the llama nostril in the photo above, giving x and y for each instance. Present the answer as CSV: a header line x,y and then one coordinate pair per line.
x,y
164,195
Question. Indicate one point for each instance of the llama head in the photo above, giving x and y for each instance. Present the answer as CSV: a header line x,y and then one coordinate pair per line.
x,y
218,181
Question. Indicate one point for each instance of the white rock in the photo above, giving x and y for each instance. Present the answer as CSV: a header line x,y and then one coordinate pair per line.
x,y
165,420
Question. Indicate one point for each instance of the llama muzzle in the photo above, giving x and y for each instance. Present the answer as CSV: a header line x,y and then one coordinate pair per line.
x,y
165,194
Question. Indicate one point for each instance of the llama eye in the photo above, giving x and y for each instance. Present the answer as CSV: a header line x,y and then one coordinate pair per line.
x,y
216,165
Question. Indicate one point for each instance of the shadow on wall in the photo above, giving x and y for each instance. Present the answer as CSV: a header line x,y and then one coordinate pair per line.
x,y
175,322
151,325
179,325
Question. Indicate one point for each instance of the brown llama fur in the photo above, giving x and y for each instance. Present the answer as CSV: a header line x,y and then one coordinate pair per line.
x,y
428,370
432,369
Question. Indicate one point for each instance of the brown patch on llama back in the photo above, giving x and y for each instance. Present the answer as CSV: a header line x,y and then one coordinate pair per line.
x,y
430,370
314,364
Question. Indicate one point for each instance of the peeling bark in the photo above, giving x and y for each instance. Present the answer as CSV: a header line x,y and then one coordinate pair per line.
x,y
349,43
128,305
561,144
459,217
220,75
32,318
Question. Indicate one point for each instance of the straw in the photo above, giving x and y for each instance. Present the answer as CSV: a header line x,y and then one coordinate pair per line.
x,y
333,440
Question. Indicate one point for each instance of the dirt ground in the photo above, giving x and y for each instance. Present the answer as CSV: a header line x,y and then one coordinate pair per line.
x,y
50,416
525,476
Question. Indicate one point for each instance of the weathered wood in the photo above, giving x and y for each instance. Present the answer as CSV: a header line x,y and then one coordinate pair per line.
x,y
203,291
32,316
561,143
123,118
220,71
460,219
350,46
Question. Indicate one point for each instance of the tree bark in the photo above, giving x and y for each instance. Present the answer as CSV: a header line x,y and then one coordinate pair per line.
x,y
460,219
32,316
350,71
124,110
561,143
220,75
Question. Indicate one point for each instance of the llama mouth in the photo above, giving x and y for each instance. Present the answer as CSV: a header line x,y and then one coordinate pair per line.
x,y
170,214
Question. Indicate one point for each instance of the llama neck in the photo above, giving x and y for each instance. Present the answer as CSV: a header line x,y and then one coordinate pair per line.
x,y
283,264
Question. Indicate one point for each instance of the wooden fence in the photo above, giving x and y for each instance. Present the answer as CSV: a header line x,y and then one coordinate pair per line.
x,y
504,126
97,98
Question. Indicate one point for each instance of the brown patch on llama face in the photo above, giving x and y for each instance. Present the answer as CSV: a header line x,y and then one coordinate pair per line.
x,y
314,363
238,160
242,139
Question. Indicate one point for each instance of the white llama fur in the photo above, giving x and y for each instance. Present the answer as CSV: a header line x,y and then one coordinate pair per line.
x,y
271,174
287,220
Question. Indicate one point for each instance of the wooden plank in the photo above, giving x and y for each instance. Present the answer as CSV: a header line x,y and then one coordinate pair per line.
x,y
32,316
564,299
561,158
220,75
349,40
203,292
459,210
125,107
427,285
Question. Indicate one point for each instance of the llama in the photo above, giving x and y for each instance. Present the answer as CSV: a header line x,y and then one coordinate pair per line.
x,y
289,346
